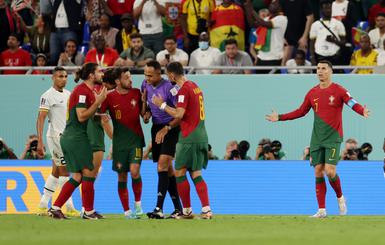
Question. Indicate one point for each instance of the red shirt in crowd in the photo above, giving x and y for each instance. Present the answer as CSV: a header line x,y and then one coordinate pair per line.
x,y
107,59
119,7
18,58
373,11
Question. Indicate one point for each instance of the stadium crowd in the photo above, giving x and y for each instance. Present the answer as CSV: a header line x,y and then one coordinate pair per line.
x,y
265,150
198,33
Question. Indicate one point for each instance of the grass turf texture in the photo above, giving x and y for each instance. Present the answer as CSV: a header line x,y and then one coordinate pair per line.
x,y
224,229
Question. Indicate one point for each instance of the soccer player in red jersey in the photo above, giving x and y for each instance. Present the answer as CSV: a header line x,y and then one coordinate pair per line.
x,y
192,146
75,144
125,108
326,100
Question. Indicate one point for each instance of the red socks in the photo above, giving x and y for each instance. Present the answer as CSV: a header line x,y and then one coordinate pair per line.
x,y
336,184
137,188
123,195
184,191
88,193
320,188
201,188
66,192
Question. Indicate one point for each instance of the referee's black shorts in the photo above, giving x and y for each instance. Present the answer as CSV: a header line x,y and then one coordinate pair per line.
x,y
169,142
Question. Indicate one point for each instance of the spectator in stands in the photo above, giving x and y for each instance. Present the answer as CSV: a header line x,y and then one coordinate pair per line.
x,y
171,53
105,30
365,56
233,57
30,150
227,21
67,21
5,151
117,9
230,147
350,150
210,154
205,55
327,35
270,34
299,60
377,35
38,34
149,15
195,20
264,151
45,7
348,13
243,148
381,55
41,61
171,21
93,10
299,19
374,11
14,55
137,56
70,56
123,40
263,14
101,54
8,24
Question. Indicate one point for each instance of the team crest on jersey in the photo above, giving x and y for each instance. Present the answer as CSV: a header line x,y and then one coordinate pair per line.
x,y
133,103
173,12
331,100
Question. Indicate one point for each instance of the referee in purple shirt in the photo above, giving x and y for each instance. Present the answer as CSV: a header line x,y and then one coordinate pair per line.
x,y
164,134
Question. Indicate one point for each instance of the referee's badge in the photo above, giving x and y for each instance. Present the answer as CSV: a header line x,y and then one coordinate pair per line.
x,y
173,91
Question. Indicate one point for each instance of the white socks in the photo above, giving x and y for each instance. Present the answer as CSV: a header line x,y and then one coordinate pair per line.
x,y
49,188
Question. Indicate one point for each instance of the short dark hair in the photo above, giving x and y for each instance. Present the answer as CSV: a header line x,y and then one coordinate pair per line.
x,y
16,35
58,68
155,64
117,73
84,72
231,41
136,35
172,37
176,68
109,76
326,62
324,2
71,40
300,52
382,14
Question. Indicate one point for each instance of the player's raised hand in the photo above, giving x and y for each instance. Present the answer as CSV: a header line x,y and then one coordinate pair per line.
x,y
366,112
102,95
273,117
157,100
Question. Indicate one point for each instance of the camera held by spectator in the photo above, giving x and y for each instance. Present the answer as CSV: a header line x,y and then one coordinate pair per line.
x,y
235,155
350,151
243,147
30,150
264,150
364,151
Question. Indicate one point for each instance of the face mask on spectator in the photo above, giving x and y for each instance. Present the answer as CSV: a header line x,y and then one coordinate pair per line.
x,y
203,45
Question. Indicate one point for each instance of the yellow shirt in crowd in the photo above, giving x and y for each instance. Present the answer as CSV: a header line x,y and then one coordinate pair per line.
x,y
359,60
203,9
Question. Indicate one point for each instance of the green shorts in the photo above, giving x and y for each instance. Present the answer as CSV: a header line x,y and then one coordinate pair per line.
x,y
122,159
322,154
192,156
95,134
77,153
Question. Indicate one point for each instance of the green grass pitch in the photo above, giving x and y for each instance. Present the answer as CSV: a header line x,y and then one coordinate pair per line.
x,y
223,229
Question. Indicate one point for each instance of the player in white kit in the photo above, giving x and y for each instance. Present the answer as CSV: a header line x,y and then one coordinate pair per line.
x,y
53,103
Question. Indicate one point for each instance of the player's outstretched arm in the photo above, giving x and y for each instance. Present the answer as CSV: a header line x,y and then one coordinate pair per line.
x,y
273,117
174,112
